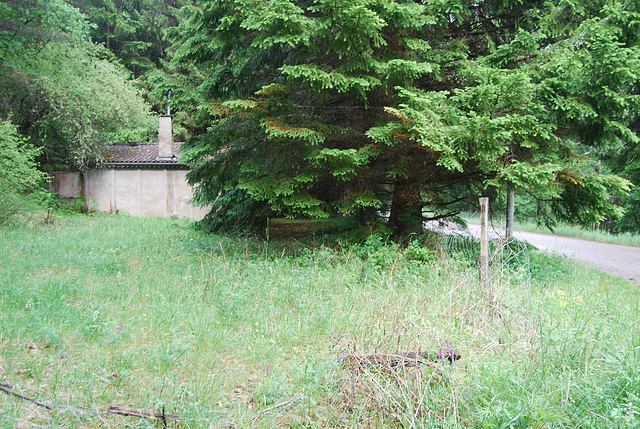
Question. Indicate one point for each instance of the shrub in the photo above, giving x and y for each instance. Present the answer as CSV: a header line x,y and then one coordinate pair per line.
x,y
20,181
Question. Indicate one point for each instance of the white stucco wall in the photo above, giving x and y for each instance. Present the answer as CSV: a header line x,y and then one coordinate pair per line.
x,y
141,192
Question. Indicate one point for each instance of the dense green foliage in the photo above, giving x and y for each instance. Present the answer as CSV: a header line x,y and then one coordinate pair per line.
x,y
132,29
20,181
359,106
354,108
68,95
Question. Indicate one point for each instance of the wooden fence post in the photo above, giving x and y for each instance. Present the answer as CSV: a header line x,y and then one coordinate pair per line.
x,y
511,198
484,239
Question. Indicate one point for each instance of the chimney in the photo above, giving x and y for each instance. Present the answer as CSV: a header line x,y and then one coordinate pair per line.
x,y
165,137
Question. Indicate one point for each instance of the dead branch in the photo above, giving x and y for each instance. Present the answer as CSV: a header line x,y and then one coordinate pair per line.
x,y
8,389
280,405
113,409
400,359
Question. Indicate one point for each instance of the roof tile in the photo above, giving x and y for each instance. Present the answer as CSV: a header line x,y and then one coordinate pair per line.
x,y
139,153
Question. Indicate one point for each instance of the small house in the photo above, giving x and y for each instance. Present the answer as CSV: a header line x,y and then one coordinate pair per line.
x,y
141,179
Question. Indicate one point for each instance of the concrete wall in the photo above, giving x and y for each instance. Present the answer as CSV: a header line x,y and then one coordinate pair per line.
x,y
66,184
141,192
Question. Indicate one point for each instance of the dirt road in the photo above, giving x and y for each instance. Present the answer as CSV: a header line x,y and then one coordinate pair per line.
x,y
616,259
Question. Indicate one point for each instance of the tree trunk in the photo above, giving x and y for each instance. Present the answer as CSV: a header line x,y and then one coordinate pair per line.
x,y
406,209
108,38
511,197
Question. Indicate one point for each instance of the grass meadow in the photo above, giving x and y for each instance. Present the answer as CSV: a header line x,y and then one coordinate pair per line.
x,y
232,332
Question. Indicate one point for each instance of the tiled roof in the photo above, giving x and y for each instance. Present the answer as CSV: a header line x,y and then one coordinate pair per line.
x,y
139,153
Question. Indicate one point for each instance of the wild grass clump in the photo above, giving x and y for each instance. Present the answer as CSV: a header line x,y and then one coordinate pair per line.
x,y
99,311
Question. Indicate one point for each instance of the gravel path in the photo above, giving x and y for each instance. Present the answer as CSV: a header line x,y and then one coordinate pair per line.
x,y
616,259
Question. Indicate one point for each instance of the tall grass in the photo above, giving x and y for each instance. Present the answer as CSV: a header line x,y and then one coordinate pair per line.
x,y
234,332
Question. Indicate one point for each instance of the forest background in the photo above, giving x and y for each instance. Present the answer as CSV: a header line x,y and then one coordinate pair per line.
x,y
347,109
339,109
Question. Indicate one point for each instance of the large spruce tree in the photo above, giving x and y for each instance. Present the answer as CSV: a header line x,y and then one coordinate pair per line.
x,y
355,107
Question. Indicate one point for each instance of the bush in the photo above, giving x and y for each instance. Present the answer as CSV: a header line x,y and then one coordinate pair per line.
x,y
21,181
420,252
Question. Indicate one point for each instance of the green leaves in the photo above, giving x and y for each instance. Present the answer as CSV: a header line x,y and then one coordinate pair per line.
x,y
523,46
64,92
399,71
21,182
342,163
347,28
587,80
89,99
276,130
586,199
538,177
320,79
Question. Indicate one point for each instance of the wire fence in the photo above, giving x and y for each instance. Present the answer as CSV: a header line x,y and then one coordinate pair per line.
x,y
509,277
487,315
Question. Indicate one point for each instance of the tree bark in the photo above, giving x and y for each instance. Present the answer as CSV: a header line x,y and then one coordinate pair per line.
x,y
406,209
108,38
511,197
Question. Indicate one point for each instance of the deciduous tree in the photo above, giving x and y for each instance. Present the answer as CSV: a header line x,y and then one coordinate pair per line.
x,y
20,181
62,91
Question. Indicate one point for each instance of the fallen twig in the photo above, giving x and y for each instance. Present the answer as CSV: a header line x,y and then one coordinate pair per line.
x,y
164,418
400,359
8,389
140,413
280,405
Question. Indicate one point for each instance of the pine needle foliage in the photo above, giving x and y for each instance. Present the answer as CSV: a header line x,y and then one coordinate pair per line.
x,y
355,107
